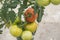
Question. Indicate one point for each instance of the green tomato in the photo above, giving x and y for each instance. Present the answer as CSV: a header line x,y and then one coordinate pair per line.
x,y
17,21
26,35
15,31
31,27
43,2
55,2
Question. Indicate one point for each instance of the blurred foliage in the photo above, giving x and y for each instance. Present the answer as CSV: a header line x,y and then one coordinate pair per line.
x,y
0,31
0,0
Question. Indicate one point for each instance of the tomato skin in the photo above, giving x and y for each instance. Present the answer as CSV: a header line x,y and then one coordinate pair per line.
x,y
32,27
27,35
33,15
15,31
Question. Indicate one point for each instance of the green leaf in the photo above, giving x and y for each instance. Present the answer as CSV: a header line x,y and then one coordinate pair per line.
x,y
0,31
11,16
3,12
0,0
40,14
1,25
20,11
36,8
12,5
25,2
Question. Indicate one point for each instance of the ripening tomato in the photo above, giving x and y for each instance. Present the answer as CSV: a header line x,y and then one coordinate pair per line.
x,y
30,16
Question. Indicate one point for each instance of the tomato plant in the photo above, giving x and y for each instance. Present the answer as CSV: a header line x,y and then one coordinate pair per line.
x,y
32,12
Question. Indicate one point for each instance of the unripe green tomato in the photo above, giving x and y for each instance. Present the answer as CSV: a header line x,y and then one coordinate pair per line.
x,y
43,2
27,35
55,2
17,20
15,31
31,27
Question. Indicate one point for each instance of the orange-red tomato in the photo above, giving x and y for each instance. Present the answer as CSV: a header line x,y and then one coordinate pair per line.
x,y
30,16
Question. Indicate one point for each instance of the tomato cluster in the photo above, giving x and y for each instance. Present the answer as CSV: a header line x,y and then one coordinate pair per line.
x,y
29,28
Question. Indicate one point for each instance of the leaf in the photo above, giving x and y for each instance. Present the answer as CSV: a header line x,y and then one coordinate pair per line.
x,y
11,16
0,31
40,13
0,0
20,11
36,8
12,5
25,2
4,13
1,25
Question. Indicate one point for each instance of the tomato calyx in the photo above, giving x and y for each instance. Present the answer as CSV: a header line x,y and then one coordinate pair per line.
x,y
29,15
